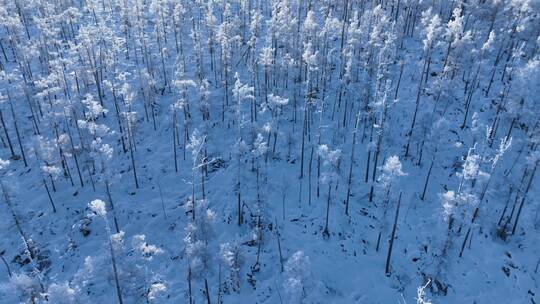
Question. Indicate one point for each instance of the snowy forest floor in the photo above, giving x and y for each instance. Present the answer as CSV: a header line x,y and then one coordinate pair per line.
x,y
282,213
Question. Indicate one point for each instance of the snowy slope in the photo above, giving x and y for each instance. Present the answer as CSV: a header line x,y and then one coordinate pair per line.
x,y
280,252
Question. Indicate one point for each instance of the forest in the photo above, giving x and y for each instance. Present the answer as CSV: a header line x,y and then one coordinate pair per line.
x,y
269,151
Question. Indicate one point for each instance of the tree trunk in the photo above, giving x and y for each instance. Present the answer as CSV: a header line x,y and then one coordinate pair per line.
x,y
427,180
49,195
207,291
326,231
349,182
17,132
392,237
13,156
115,271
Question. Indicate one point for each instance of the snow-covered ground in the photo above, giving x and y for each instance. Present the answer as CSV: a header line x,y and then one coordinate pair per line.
x,y
315,117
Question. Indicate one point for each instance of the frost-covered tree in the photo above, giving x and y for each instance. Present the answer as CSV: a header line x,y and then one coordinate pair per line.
x,y
159,9
330,176
102,86
457,38
130,118
259,152
227,39
197,146
153,285
391,171
455,208
198,236
432,31
46,152
233,258
276,105
9,80
472,170
21,288
29,284
297,282
182,83
100,152
98,207
241,92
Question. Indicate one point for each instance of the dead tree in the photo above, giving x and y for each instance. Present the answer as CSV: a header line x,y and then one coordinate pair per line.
x,y
387,269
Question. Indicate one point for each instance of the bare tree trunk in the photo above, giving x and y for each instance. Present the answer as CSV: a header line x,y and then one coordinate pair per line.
x,y
6,264
115,271
279,247
392,237
112,207
189,286
326,231
74,152
523,199
174,141
162,201
309,175
423,196
132,156
349,182
239,207
17,132
303,144
13,156
49,195
206,291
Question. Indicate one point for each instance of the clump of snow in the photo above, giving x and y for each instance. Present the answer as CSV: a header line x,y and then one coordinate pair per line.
x,y
117,239
98,207
4,163
448,200
156,289
147,251
62,293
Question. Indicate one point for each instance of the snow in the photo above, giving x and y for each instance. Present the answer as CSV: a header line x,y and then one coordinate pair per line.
x,y
254,106
98,206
